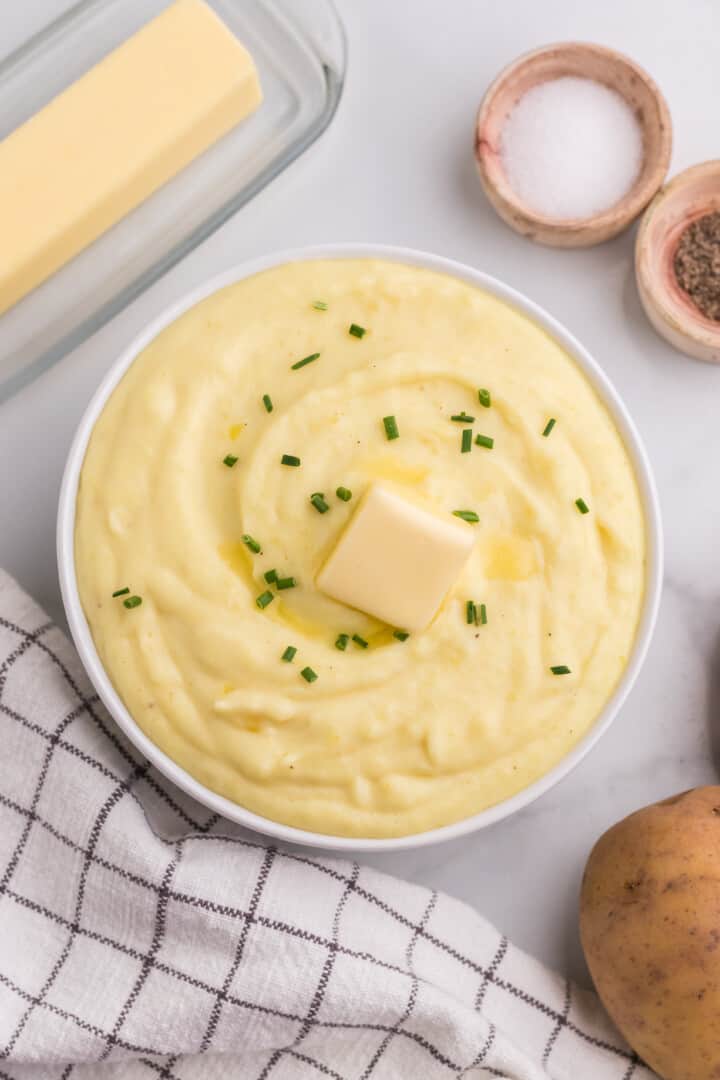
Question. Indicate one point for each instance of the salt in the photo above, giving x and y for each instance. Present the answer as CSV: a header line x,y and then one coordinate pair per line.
x,y
571,147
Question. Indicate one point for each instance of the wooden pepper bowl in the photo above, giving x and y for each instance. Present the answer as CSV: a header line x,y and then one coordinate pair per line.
x,y
589,61
690,195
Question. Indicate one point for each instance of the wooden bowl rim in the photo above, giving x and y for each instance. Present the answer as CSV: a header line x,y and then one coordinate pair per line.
x,y
641,192
683,320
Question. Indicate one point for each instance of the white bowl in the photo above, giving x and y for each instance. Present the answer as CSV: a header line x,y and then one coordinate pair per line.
x,y
81,631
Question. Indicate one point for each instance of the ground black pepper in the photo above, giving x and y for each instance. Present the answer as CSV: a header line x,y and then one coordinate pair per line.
x,y
697,264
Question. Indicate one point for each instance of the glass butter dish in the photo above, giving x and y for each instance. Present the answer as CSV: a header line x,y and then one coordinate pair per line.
x,y
299,49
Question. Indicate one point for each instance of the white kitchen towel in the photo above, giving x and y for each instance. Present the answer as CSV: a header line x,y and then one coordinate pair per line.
x,y
143,937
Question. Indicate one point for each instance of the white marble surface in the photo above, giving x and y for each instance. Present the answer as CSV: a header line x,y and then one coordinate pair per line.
x,y
396,166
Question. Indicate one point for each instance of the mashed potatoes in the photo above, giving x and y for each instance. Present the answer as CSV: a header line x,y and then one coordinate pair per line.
x,y
401,736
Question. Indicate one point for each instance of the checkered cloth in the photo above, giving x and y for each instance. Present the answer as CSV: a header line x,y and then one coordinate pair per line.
x,y
141,936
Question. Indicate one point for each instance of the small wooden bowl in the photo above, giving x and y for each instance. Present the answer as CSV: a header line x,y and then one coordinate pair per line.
x,y
690,195
604,66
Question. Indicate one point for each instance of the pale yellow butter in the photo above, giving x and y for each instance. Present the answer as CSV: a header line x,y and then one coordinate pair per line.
x,y
115,136
396,561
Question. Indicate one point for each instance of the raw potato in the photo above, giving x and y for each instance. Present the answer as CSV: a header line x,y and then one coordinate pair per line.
x,y
650,928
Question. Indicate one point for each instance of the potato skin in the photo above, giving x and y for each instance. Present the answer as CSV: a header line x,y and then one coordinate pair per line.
x,y
650,929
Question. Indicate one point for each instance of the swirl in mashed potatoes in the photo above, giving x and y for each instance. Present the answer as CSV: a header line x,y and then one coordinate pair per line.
x,y
401,736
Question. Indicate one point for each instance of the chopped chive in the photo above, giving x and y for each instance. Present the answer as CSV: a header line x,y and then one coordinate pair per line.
x,y
251,543
230,460
264,599
357,331
466,441
582,506
289,459
560,669
401,635
320,305
463,418
341,642
484,398
267,402
289,655
318,501
305,360
270,576
344,493
483,615
467,515
470,612
121,592
485,440
391,428
132,601
360,641
285,583
549,426
308,674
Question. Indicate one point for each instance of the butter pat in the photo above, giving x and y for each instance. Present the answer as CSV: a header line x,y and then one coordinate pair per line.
x,y
396,561
115,136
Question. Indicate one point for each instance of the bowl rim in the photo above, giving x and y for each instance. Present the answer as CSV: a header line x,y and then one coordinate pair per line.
x,y
82,636
639,194
695,329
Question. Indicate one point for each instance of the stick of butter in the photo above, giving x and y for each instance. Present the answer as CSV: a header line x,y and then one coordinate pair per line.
x,y
396,561
115,136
